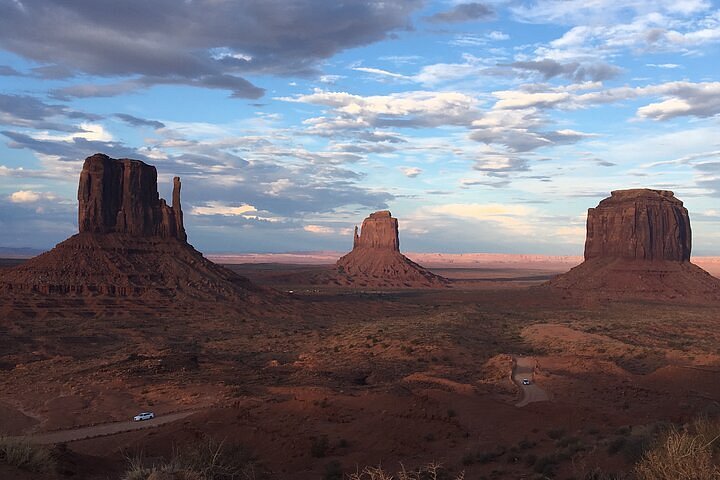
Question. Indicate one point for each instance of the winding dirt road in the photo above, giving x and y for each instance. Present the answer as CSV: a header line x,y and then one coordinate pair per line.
x,y
75,434
525,368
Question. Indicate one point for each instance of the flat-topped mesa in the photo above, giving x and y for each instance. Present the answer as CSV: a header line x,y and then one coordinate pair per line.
x,y
121,196
639,224
379,230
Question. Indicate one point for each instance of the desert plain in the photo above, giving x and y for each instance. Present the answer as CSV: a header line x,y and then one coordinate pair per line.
x,y
330,379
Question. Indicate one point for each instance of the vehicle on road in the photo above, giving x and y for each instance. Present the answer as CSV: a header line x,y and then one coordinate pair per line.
x,y
144,416
526,381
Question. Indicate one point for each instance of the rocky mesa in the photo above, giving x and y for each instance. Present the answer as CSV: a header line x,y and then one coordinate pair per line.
x,y
130,243
638,244
376,261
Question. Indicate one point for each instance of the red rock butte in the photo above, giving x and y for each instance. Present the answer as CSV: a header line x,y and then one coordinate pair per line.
x,y
376,261
638,244
121,196
131,243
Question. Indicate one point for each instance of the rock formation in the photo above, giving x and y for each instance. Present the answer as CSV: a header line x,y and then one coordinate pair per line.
x,y
121,196
639,224
376,261
131,243
638,245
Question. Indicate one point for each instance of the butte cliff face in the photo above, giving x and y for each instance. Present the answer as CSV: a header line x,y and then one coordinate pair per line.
x,y
121,196
638,244
131,243
639,224
376,261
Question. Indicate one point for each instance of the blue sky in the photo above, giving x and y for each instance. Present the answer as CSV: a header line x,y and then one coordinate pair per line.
x,y
483,126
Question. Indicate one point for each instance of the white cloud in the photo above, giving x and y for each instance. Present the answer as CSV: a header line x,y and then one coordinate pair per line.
x,y
319,229
411,172
27,196
219,208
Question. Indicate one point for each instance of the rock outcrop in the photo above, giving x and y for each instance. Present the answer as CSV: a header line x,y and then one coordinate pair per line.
x,y
639,224
638,245
376,261
131,243
121,196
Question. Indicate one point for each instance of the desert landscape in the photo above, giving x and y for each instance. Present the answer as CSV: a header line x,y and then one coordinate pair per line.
x,y
283,371
359,240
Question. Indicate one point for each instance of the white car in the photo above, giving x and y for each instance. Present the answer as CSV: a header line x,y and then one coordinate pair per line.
x,y
526,381
143,416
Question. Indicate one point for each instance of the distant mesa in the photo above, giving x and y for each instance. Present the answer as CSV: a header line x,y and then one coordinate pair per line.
x,y
376,261
131,243
638,244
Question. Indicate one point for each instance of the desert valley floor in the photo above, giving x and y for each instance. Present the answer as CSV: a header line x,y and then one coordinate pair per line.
x,y
316,381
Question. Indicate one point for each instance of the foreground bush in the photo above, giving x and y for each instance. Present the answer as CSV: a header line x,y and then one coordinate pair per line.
x,y
432,471
688,454
25,455
208,459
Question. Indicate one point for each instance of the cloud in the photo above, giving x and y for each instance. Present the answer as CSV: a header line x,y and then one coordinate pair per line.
x,y
411,172
413,109
8,71
29,112
219,208
201,43
29,196
139,122
319,229
575,71
464,12
684,99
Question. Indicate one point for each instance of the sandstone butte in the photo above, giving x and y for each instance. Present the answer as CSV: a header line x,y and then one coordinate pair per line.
x,y
130,243
376,261
638,244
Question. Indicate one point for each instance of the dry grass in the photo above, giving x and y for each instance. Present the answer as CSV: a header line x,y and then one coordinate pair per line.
x,y
687,454
431,471
207,460
25,455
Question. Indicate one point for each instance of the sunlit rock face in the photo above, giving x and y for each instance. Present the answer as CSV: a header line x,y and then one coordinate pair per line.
x,y
375,259
639,224
638,246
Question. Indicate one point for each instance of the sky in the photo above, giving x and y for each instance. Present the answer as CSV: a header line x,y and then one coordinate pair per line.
x,y
483,126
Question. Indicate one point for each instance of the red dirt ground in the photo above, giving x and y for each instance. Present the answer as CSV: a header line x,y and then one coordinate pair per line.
x,y
409,376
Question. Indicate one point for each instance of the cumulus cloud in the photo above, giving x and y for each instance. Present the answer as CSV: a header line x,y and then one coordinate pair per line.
x,y
464,12
201,43
407,109
29,196
411,172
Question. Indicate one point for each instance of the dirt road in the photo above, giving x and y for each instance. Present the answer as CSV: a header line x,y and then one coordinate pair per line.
x,y
525,368
64,436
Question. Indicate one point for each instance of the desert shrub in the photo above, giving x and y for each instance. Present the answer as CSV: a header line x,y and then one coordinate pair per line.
x,y
683,454
208,459
556,433
320,446
526,444
565,441
23,454
616,445
547,463
333,471
431,471
468,459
